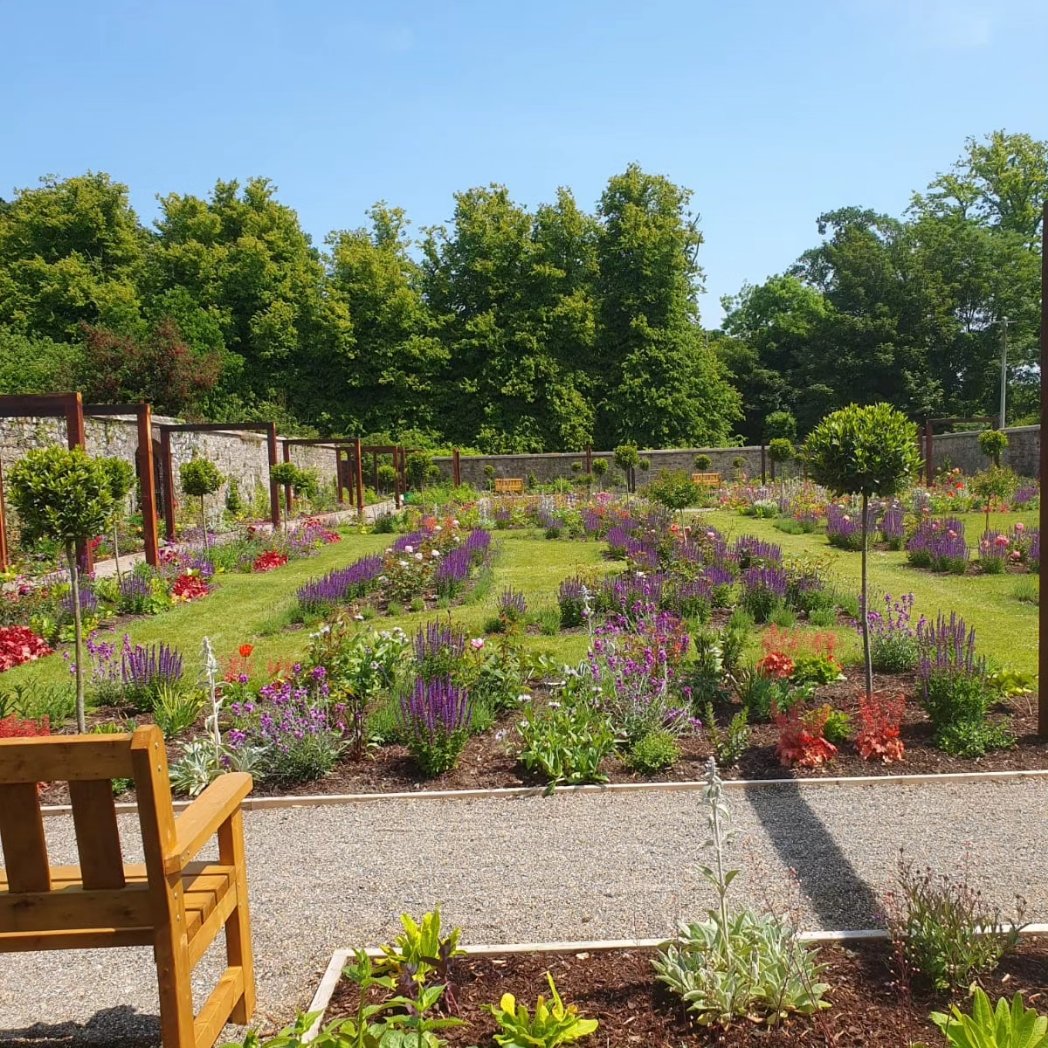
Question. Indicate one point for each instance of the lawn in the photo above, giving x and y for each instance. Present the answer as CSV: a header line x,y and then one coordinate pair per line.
x,y
1006,628
256,608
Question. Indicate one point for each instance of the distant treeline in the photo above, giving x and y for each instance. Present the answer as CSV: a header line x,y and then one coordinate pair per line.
x,y
512,330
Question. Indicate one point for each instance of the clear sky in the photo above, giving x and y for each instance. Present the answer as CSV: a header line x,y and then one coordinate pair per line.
x,y
770,111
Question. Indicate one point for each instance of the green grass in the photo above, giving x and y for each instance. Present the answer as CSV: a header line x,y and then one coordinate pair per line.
x,y
1006,628
257,609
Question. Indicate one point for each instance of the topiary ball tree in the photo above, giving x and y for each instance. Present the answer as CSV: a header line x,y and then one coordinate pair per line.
x,y
702,463
865,451
780,425
200,477
67,497
417,469
992,442
121,481
675,490
780,450
386,477
627,458
600,467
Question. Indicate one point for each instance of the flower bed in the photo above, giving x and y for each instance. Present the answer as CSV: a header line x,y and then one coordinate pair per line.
x,y
19,645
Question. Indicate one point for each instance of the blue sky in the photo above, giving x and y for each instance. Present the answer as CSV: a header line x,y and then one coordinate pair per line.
x,y
771,112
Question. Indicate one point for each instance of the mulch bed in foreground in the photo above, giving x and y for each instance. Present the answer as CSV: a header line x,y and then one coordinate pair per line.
x,y
618,989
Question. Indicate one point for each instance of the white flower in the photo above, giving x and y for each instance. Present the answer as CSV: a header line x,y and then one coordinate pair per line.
x,y
358,618
454,523
435,553
438,528
402,563
418,556
409,549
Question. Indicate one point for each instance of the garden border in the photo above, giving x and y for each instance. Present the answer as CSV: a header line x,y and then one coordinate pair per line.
x,y
319,800
333,972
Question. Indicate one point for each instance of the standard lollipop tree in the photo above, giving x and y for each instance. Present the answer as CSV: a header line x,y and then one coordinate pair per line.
x,y
121,481
866,451
65,496
200,477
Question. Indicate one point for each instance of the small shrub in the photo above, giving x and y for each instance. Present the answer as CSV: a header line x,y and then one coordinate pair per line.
x,y
813,668
802,739
880,725
761,694
175,710
566,742
654,752
547,620
729,744
838,727
552,1024
436,722
1009,1025
945,933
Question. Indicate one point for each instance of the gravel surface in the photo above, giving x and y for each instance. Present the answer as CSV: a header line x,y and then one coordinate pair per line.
x,y
538,869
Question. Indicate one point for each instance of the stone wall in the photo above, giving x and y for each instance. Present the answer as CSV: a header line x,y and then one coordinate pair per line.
x,y
960,449
239,455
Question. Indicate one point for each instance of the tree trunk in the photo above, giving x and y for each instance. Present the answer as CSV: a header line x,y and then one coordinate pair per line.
x,y
78,640
867,660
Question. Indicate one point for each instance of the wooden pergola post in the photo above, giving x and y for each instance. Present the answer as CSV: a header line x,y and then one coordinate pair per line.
x,y
929,443
287,487
589,458
339,487
456,467
1042,624
147,484
274,487
358,468
169,484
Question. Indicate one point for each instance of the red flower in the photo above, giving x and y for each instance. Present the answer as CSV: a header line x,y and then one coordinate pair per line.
x,y
19,644
189,587
776,664
269,560
246,650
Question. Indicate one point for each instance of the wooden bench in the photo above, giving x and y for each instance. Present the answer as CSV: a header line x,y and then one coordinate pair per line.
x,y
171,902
706,480
509,485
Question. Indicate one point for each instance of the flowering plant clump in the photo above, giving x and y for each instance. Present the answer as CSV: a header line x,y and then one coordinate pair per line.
x,y
292,724
634,665
939,545
995,552
269,560
189,587
763,590
776,664
892,526
574,599
880,725
844,526
336,587
802,741
12,727
893,637
436,717
18,645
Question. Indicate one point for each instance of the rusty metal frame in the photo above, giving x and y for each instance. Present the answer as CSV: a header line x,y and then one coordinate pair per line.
x,y
270,430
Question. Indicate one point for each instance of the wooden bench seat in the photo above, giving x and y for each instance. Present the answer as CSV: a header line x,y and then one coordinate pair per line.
x,y
172,902
706,480
509,485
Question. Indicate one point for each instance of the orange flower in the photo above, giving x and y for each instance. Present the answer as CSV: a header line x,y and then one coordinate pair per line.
x,y
246,650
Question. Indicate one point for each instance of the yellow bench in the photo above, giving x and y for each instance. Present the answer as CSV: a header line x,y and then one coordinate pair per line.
x,y
171,902
706,480
509,485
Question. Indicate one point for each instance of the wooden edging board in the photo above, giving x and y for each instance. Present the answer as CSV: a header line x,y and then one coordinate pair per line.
x,y
339,959
322,799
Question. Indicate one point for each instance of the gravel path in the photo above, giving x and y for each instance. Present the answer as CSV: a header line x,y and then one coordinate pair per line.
x,y
564,867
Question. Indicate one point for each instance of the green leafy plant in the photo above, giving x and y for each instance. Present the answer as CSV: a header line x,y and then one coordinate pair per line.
x,y
838,727
944,931
673,489
702,463
65,496
199,478
121,481
1009,1025
600,467
729,744
176,709
780,451
740,965
552,1024
865,451
654,751
627,458
422,946
994,485
566,742
992,442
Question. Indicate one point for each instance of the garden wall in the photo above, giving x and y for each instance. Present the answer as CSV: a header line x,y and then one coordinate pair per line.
x,y
242,456
960,449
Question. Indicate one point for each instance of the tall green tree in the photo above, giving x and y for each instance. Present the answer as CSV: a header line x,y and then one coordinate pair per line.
x,y
661,383
71,252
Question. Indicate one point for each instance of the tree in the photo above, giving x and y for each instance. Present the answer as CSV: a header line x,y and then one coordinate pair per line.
x,y
121,476
71,252
780,450
66,496
673,489
160,369
780,424
864,451
200,477
992,442
600,467
417,469
627,457
37,365
661,383
702,463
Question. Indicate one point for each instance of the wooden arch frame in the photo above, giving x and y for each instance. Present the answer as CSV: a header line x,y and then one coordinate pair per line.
x,y
71,407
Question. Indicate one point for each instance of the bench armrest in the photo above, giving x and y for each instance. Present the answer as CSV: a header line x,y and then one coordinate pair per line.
x,y
195,826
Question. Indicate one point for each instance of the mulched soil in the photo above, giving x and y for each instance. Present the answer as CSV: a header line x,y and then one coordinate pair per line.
x,y
490,761
868,1006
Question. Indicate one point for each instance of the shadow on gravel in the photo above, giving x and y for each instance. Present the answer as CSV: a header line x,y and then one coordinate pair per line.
x,y
121,1027
839,896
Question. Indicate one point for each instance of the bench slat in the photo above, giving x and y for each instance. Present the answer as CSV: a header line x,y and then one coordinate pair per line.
x,y
80,757
97,836
22,836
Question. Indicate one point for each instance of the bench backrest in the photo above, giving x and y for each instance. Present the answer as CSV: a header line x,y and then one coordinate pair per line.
x,y
706,480
509,484
88,763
